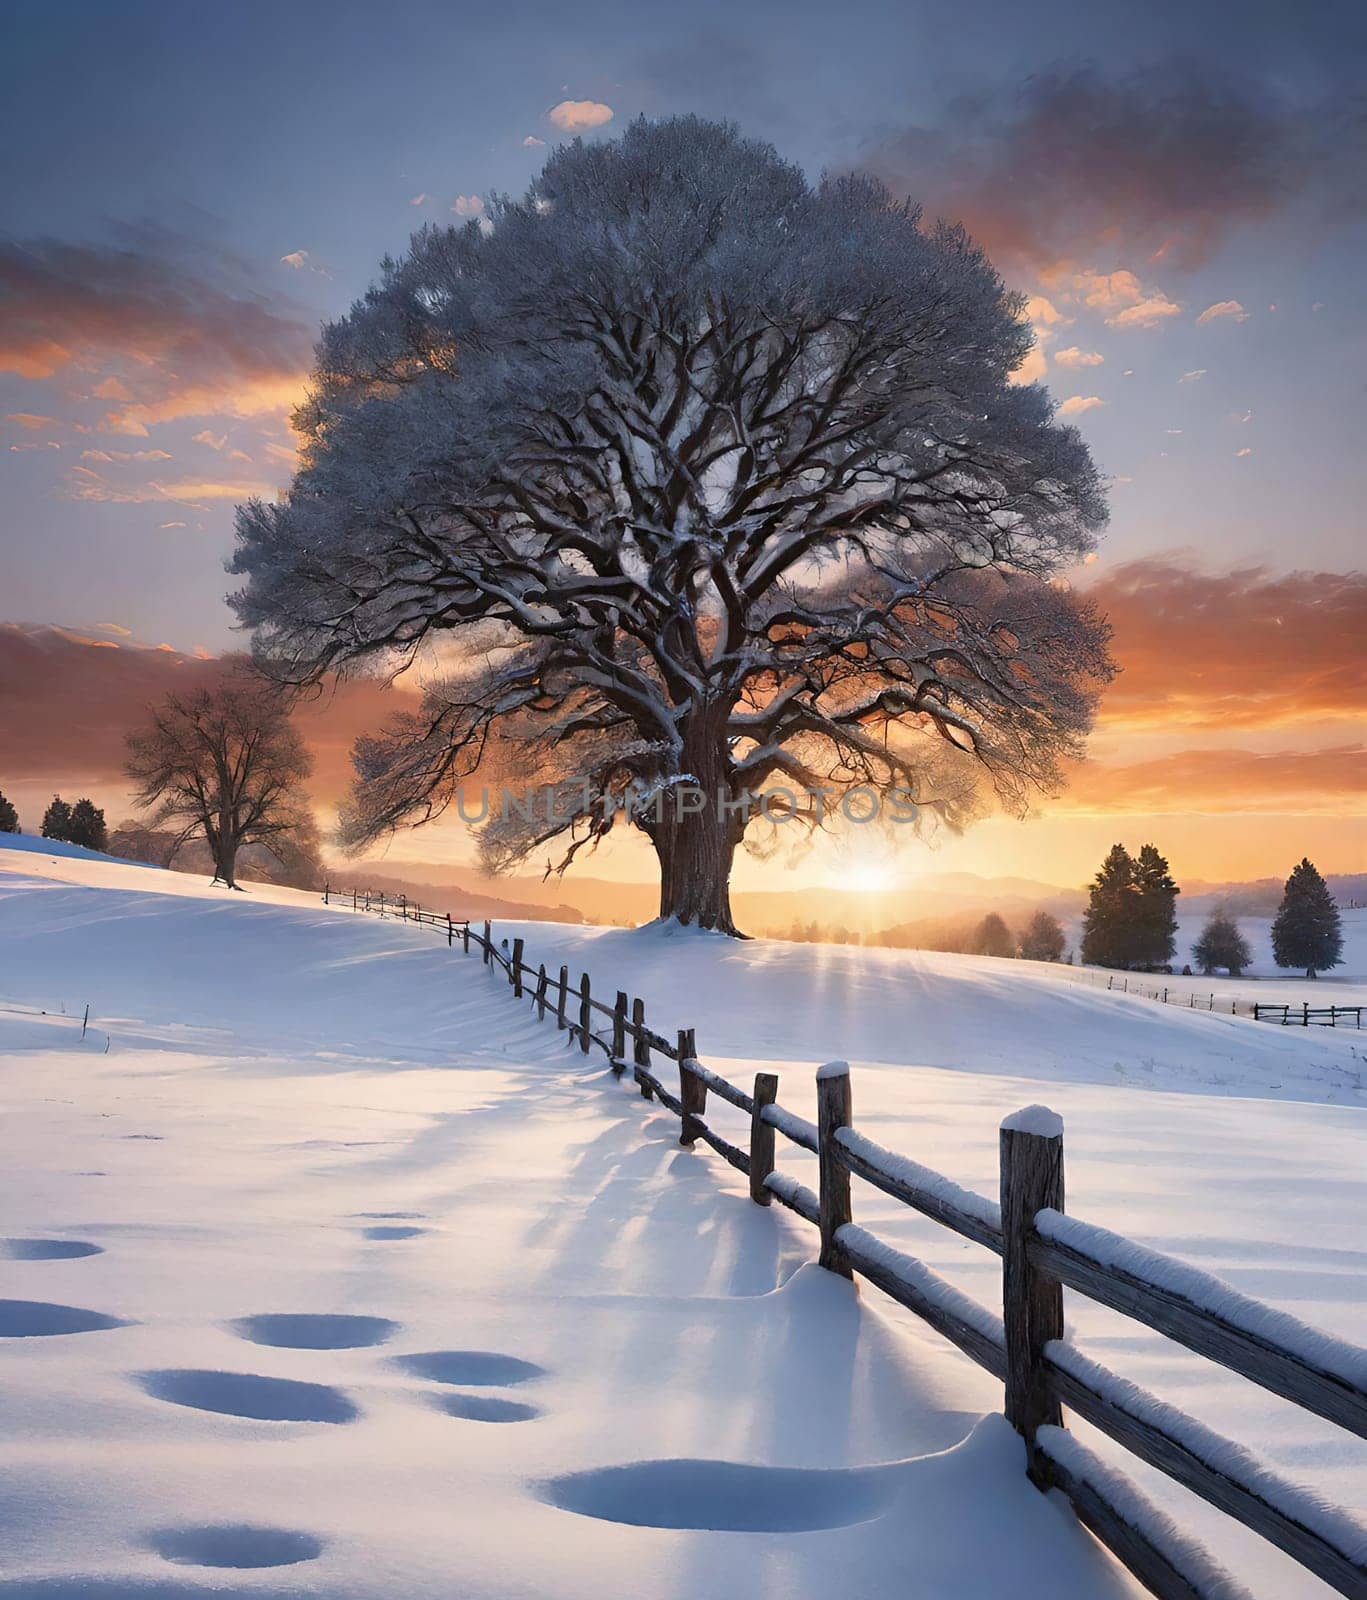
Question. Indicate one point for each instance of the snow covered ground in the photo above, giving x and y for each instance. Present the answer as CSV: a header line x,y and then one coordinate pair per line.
x,y
386,1293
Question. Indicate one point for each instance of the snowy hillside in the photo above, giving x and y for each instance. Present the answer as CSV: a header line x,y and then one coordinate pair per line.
x,y
349,1269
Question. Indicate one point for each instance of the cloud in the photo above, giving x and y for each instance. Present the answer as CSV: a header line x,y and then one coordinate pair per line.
x,y
68,705
1076,404
298,259
578,116
468,205
1170,160
1123,300
1246,451
83,483
1241,649
1073,357
215,441
1223,308
531,142
1193,376
420,199
30,420
108,456
178,327
1329,781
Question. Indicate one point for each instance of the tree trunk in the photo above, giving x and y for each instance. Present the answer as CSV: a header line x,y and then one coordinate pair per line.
x,y
695,839
225,860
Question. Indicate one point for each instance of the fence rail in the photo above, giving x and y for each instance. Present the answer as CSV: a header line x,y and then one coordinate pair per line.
x,y
1043,1250
1175,994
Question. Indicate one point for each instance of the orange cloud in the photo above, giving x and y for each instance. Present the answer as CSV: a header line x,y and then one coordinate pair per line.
x,y
70,699
30,420
1331,782
578,116
1076,404
1248,649
1124,300
177,328
1073,357
1223,308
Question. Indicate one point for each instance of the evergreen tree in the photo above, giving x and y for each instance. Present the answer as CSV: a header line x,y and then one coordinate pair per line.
x,y
57,820
1042,939
1222,945
1306,931
1107,928
1155,919
9,817
993,938
87,825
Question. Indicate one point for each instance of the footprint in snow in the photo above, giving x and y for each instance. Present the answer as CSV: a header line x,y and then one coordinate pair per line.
x,y
473,1368
248,1394
48,1249
314,1330
386,1231
41,1319
484,1408
233,1545
724,1496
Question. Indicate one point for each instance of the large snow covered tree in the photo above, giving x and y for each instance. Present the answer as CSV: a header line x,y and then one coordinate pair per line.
x,y
711,481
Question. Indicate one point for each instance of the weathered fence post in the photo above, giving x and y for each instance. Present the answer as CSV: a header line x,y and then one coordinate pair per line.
x,y
833,1110
619,1033
585,1013
85,1020
762,1137
450,931
488,943
692,1090
465,937
561,997
541,992
1032,1301
1305,1014
515,970
327,890
640,1052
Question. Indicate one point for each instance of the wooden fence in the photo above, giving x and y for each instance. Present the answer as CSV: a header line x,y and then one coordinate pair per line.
x,y
1043,1250
1297,1016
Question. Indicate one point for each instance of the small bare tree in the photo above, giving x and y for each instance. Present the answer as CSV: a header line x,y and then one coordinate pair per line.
x,y
720,483
224,763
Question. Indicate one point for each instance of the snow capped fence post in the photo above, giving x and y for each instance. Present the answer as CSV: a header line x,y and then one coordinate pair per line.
x,y
619,1033
692,1089
515,969
1032,1301
641,1046
585,1013
541,992
561,997
833,1112
488,943
762,1136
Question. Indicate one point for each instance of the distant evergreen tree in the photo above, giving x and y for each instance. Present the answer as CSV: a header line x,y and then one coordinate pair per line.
x,y
1222,945
1107,928
993,938
9,817
57,820
1155,916
1306,931
1042,939
87,826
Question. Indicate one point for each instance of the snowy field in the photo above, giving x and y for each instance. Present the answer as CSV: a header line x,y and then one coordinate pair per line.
x,y
332,1273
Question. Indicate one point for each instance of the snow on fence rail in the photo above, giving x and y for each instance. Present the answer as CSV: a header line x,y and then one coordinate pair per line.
x,y
1042,1250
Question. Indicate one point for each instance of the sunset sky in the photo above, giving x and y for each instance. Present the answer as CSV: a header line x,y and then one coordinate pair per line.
x,y
1181,189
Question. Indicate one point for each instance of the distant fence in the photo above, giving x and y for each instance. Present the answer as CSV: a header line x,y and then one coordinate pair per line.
x,y
1175,994
1043,1250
